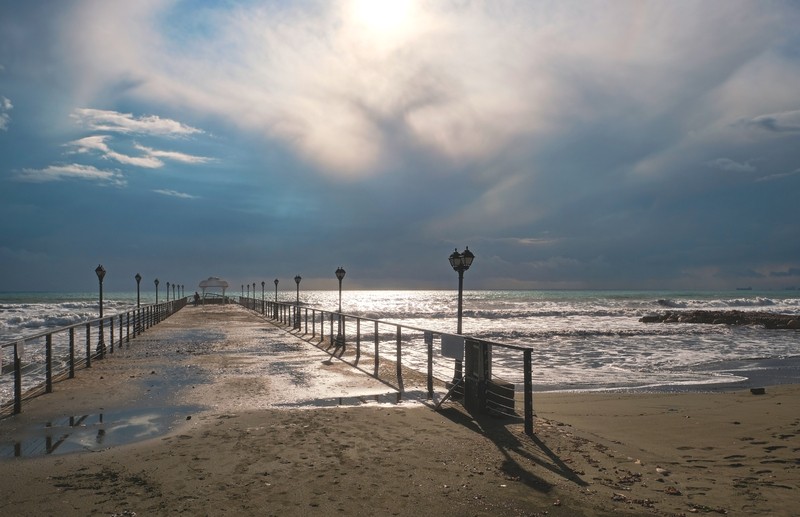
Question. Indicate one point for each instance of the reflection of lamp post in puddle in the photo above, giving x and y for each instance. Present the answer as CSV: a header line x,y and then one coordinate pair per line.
x,y
101,344
460,263
339,339
297,303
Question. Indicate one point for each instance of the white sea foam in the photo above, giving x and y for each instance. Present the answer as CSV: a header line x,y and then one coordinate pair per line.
x,y
580,339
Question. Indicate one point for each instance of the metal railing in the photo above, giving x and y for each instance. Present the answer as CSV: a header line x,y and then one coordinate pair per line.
x,y
396,351
37,361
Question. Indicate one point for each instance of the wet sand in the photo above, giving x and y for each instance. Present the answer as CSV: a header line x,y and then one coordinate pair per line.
x,y
227,411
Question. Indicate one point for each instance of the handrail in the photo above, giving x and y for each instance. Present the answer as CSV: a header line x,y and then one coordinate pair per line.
x,y
130,323
294,315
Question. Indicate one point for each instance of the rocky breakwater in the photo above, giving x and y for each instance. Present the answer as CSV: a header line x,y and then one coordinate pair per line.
x,y
765,319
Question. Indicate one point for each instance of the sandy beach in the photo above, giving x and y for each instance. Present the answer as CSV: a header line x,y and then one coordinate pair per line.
x,y
225,428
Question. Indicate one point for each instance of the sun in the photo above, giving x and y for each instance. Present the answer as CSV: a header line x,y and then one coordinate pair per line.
x,y
381,16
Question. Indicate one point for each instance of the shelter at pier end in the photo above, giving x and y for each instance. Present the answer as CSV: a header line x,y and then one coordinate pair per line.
x,y
212,283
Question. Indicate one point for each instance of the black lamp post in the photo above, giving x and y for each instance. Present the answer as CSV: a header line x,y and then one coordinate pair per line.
x,y
276,298
297,303
460,263
167,291
340,272
340,275
173,291
138,278
101,272
156,282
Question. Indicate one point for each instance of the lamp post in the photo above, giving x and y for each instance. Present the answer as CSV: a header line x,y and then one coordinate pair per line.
x,y
156,282
276,298
263,306
460,263
101,272
173,291
297,303
138,278
167,291
340,272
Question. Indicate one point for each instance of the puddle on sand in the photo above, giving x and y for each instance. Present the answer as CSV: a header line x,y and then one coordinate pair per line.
x,y
94,432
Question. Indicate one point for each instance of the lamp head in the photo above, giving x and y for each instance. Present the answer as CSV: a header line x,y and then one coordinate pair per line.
x,y
466,258
455,260
101,272
138,278
276,282
340,273
156,282
297,279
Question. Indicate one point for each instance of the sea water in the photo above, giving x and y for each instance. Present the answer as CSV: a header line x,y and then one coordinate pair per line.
x,y
581,340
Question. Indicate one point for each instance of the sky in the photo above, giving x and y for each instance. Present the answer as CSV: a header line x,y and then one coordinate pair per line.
x,y
569,144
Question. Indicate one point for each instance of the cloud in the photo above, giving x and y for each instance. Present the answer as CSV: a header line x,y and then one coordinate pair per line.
x,y
174,193
151,158
172,155
793,271
72,171
773,177
784,122
5,107
98,143
726,164
105,120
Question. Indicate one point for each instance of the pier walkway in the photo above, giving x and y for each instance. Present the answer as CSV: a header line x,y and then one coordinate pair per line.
x,y
217,410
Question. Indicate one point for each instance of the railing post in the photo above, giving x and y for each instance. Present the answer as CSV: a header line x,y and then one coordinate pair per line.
x,y
88,345
528,393
72,352
120,330
305,317
48,370
358,340
17,378
313,323
376,349
429,342
111,333
330,343
128,327
399,360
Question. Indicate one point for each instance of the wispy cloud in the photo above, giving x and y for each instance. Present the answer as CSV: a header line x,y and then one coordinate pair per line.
x,y
174,193
773,177
98,143
726,164
114,121
5,107
150,159
72,171
172,155
784,122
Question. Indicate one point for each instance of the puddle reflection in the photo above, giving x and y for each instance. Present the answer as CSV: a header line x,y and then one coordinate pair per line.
x,y
94,432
